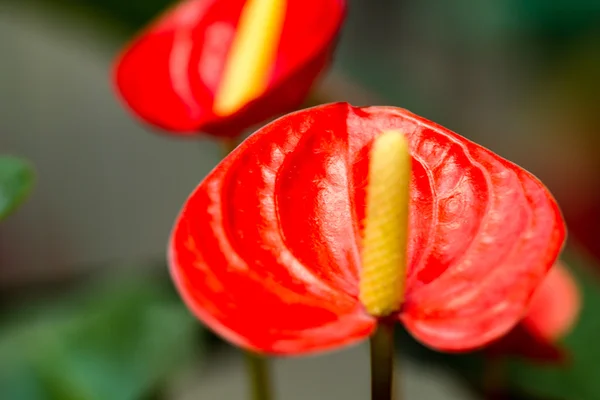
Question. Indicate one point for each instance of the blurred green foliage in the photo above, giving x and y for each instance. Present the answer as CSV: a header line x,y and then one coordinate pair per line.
x,y
16,181
578,378
134,12
119,340
558,20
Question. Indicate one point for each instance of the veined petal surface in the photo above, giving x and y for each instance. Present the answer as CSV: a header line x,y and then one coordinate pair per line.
x,y
266,250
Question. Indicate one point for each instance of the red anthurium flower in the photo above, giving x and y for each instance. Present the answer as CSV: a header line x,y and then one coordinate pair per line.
x,y
267,249
552,313
220,66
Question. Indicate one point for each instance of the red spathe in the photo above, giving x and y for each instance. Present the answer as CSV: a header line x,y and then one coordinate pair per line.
x,y
266,250
169,74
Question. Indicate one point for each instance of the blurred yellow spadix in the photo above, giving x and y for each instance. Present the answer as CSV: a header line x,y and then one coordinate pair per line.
x,y
251,56
383,273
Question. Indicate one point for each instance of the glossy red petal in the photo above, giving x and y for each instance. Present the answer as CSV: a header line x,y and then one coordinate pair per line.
x,y
168,75
484,232
495,232
265,257
284,212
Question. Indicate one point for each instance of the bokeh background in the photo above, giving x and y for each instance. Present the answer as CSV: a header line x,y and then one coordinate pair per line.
x,y
87,309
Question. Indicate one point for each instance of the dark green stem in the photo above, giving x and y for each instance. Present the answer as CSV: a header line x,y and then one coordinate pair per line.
x,y
159,393
493,376
258,372
382,361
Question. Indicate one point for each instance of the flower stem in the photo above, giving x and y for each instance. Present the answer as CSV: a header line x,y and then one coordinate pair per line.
x,y
157,394
382,361
258,372
493,376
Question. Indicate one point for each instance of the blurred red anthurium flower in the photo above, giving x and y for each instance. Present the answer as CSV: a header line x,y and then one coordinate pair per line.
x,y
267,249
221,66
553,311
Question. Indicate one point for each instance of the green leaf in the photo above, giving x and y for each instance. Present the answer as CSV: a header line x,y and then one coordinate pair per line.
x,y
120,341
577,380
16,182
18,381
558,18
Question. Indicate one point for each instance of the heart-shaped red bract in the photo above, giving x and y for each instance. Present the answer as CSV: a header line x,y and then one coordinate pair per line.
x,y
168,76
267,249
